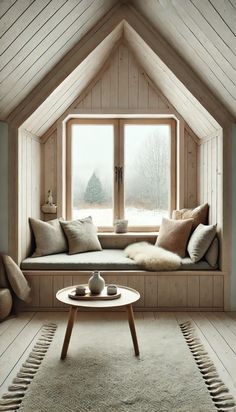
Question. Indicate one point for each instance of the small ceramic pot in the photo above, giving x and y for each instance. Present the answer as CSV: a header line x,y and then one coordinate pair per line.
x,y
80,290
121,226
111,289
96,283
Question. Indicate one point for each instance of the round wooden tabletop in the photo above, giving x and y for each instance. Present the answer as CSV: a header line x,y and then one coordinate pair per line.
x,y
128,296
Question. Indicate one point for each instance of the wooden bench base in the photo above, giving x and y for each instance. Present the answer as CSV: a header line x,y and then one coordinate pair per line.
x,y
179,290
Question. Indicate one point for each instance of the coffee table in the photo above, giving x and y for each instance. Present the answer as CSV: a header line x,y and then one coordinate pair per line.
x,y
128,296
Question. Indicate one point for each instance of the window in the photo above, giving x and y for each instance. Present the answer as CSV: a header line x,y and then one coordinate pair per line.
x,y
121,168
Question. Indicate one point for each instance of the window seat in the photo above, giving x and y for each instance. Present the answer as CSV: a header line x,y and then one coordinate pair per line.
x,y
107,259
195,286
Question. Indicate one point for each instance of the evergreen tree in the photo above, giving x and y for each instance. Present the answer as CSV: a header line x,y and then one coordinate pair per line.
x,y
94,192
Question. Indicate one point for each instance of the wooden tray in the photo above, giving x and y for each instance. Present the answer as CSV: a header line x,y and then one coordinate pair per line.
x,y
88,296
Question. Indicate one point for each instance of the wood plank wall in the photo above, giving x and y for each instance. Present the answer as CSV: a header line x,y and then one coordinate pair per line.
x,y
191,170
158,291
210,176
49,151
123,85
30,193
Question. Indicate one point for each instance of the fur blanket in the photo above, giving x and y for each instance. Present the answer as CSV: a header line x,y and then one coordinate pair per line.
x,y
152,257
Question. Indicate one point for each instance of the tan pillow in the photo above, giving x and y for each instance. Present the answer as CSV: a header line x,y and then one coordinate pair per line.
x,y
199,215
200,241
81,235
174,234
16,279
49,237
212,253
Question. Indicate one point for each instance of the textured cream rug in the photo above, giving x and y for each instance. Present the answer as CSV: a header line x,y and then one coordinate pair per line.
x,y
102,374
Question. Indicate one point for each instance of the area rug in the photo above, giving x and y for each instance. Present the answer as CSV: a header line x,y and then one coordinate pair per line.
x,y
101,373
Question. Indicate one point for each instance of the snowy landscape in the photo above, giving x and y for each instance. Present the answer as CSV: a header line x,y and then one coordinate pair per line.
x,y
135,217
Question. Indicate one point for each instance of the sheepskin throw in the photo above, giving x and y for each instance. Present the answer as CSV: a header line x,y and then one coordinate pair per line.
x,y
152,257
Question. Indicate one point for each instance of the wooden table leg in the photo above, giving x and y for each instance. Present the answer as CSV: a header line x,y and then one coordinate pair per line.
x,y
132,328
71,319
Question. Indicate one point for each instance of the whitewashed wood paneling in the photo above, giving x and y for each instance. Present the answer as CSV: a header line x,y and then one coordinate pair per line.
x,y
123,85
201,122
62,97
50,166
210,177
30,193
35,35
203,33
191,169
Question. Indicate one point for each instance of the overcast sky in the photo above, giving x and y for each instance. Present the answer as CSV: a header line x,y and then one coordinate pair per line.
x,y
92,147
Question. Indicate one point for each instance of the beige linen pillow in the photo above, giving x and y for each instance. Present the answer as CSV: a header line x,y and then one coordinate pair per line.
x,y
199,215
49,237
16,279
81,235
200,241
212,253
174,234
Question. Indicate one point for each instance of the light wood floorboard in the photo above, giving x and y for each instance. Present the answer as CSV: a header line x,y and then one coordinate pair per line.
x,y
217,331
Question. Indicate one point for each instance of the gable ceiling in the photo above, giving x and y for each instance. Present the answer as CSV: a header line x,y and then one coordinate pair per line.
x,y
36,35
203,33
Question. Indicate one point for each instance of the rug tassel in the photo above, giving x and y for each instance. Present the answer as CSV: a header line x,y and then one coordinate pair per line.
x,y
219,393
11,400
30,366
18,394
17,387
8,408
21,380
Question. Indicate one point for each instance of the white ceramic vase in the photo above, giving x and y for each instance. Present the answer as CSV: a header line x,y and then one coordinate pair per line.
x,y
96,283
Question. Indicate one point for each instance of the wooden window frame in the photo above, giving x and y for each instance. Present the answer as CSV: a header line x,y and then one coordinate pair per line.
x,y
118,155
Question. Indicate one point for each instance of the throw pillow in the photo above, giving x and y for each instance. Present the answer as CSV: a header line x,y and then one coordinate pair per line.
x,y
174,234
16,279
49,237
200,241
211,255
199,215
81,235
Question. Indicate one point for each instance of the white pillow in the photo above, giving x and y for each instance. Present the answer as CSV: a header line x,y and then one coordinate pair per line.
x,y
200,241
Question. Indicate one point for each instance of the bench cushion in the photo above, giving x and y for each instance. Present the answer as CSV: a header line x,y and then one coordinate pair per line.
x,y
107,259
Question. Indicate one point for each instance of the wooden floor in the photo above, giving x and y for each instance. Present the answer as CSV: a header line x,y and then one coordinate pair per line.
x,y
217,332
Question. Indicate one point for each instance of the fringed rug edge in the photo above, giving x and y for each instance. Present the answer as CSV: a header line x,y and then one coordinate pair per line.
x,y
11,400
224,402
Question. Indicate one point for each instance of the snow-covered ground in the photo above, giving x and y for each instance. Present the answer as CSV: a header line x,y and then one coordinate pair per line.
x,y
136,217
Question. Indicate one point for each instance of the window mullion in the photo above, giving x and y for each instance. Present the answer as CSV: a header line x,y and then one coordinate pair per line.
x,y
116,177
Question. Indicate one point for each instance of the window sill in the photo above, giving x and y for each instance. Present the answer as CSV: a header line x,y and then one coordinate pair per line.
x,y
129,234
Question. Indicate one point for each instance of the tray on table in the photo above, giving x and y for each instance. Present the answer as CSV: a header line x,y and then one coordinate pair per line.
x,y
89,296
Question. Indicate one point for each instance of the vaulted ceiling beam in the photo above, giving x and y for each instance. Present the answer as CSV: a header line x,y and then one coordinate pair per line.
x,y
66,65
177,65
